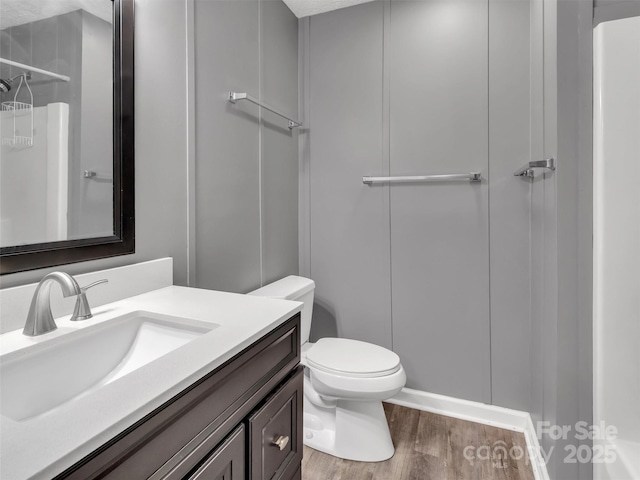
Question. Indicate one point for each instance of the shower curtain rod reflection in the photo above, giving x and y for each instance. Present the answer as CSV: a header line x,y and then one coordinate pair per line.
x,y
31,69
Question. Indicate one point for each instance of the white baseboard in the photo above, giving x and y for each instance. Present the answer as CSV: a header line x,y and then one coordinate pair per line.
x,y
535,452
500,417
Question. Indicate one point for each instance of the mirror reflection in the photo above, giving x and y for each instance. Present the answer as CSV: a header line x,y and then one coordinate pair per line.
x,y
56,120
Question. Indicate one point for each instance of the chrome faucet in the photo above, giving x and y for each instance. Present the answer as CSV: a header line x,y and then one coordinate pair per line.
x,y
40,319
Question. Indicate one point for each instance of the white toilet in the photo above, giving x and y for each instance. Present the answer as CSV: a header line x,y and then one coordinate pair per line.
x,y
344,385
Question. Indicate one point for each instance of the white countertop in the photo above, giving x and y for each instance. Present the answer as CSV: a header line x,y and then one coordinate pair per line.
x,y
45,445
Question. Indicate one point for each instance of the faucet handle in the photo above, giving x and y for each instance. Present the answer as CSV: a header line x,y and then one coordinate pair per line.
x,y
84,289
82,310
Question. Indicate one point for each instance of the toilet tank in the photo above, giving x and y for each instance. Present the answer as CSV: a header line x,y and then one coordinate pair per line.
x,y
295,288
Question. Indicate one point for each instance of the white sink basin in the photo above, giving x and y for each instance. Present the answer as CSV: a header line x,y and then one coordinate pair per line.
x,y
41,377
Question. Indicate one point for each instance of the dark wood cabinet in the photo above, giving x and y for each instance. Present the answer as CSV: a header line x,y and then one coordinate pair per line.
x,y
275,433
226,462
243,409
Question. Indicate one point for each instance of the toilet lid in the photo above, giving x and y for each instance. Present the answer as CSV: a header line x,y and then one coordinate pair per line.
x,y
343,356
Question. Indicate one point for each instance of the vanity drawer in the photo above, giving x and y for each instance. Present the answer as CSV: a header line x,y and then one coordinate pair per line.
x,y
226,462
275,433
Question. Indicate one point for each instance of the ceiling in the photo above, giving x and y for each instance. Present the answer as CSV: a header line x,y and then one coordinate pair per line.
x,y
304,8
19,12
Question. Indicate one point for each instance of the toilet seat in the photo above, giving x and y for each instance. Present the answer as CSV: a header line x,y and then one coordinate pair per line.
x,y
346,387
352,358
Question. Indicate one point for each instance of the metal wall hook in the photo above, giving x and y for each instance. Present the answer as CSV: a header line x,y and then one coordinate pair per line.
x,y
528,169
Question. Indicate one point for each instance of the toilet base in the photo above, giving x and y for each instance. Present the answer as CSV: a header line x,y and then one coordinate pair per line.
x,y
353,430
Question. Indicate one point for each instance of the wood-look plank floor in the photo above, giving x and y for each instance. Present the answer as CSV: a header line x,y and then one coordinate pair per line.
x,y
431,447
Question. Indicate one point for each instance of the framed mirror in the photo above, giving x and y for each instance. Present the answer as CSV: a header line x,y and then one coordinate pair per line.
x,y
67,124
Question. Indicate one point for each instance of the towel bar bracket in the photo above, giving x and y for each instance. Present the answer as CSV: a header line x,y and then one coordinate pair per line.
x,y
528,170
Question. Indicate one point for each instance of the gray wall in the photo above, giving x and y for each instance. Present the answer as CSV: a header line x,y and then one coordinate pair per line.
x,y
246,217
227,145
511,118
349,234
440,273
362,102
438,64
544,232
561,229
574,210
605,10
279,145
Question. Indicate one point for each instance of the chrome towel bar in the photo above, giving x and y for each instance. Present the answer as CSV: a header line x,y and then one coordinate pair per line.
x,y
235,96
528,169
469,177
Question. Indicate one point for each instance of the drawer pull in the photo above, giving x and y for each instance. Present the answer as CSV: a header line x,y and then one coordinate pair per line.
x,y
280,442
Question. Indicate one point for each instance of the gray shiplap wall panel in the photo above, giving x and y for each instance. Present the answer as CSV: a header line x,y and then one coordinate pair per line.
x,y
537,224
349,247
509,149
227,146
279,149
607,10
439,233
246,158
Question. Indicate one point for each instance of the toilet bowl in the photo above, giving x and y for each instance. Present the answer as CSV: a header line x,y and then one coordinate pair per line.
x,y
344,385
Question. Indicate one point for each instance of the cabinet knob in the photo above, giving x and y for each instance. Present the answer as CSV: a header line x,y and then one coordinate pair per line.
x,y
280,442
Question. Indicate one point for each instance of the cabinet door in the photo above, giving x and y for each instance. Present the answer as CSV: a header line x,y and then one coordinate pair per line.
x,y
275,433
226,462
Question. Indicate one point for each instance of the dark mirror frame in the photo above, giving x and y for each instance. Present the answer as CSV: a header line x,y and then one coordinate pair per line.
x,y
30,257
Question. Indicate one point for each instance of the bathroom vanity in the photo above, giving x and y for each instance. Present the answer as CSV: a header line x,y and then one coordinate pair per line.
x,y
227,405
245,412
